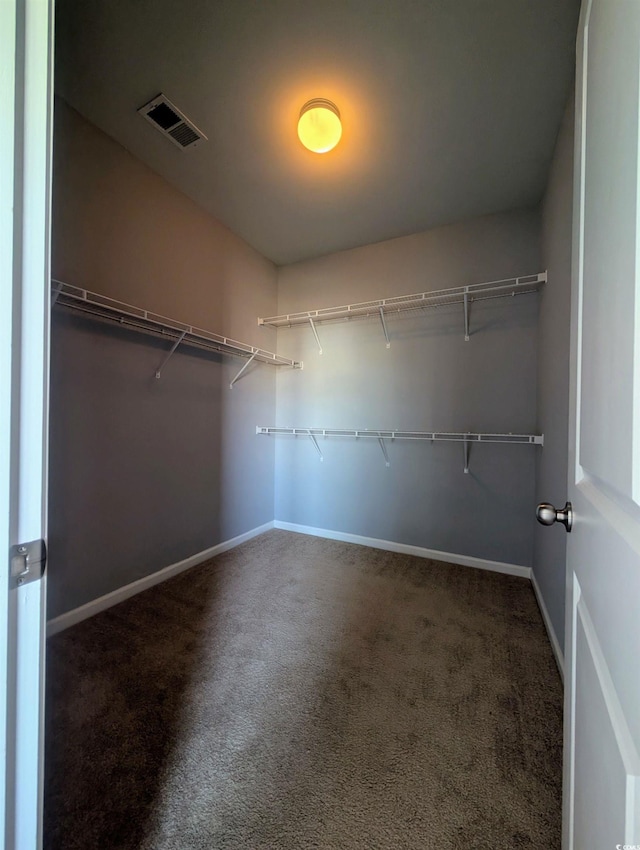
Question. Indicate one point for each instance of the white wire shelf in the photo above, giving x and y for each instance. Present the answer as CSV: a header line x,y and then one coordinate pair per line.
x,y
466,438
127,315
465,295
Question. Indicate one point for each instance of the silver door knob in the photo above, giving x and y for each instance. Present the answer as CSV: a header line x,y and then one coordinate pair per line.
x,y
547,515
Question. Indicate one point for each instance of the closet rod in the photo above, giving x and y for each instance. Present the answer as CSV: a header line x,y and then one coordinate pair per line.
x,y
128,315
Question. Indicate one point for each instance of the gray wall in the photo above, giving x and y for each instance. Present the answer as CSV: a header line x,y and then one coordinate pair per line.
x,y
553,372
144,473
430,378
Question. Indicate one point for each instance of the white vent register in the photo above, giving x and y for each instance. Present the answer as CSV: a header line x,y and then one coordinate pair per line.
x,y
172,123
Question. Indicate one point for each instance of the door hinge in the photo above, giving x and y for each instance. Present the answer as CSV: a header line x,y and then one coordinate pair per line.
x,y
28,561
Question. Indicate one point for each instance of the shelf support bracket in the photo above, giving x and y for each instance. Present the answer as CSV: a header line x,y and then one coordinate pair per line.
x,y
56,293
169,355
312,437
384,330
466,322
315,333
466,457
242,371
384,451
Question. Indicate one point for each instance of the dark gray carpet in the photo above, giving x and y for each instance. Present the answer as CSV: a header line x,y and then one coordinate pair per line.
x,y
304,693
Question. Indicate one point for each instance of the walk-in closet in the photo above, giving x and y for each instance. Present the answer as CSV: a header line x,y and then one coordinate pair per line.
x,y
303,405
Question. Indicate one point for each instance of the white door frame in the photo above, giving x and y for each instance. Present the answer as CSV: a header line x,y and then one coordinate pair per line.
x,y
26,76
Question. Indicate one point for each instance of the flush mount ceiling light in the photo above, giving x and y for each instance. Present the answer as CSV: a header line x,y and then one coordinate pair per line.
x,y
319,126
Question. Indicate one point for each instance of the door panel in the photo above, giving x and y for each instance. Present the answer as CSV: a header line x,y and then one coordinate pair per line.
x,y
602,689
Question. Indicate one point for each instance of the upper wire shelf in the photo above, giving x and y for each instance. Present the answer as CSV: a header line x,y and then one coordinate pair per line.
x,y
109,309
464,295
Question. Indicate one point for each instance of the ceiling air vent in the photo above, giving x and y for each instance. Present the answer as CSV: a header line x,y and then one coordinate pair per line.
x,y
172,123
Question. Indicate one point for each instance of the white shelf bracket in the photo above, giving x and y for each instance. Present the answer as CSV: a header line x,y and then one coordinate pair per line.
x,y
384,330
466,457
315,333
466,323
242,371
384,451
312,437
169,355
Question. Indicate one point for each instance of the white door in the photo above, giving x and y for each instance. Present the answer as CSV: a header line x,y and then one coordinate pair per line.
x,y
25,176
602,697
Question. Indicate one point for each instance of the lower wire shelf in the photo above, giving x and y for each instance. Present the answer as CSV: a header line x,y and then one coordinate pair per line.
x,y
466,438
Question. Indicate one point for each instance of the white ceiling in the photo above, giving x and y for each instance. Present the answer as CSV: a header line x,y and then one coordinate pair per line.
x,y
450,107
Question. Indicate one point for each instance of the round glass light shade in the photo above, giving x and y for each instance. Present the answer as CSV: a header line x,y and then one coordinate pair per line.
x,y
319,126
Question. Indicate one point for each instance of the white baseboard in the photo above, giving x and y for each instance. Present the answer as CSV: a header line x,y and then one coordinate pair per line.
x,y
406,549
64,621
551,632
